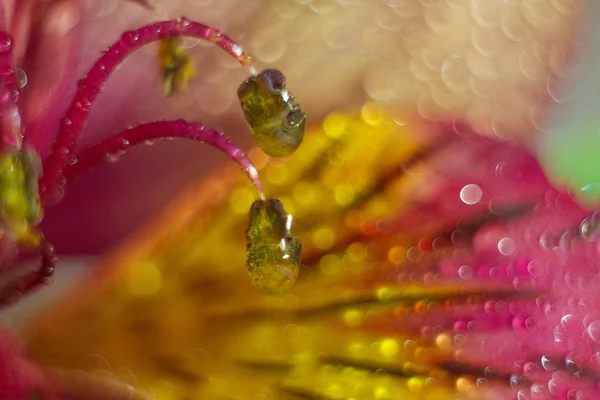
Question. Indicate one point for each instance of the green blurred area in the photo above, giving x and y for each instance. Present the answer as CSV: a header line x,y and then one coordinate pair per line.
x,y
572,159
569,148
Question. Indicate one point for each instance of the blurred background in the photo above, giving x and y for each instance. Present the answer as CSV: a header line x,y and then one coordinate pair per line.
x,y
516,79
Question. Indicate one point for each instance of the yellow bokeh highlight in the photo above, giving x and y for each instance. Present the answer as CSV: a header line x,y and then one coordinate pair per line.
x,y
353,317
144,278
397,255
344,194
415,383
323,238
304,193
277,175
444,342
371,114
335,125
385,294
465,384
241,200
389,347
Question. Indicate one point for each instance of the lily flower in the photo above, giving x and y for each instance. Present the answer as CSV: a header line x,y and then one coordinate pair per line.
x,y
423,278
412,261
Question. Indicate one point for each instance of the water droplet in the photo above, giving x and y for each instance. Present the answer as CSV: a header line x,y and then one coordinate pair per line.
x,y
149,142
125,142
590,227
72,160
21,78
5,42
549,364
465,272
112,157
594,330
471,194
84,104
506,246
214,35
130,38
67,121
183,23
237,153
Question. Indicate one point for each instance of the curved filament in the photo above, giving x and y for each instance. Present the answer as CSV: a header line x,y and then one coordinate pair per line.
x,y
90,86
33,279
115,146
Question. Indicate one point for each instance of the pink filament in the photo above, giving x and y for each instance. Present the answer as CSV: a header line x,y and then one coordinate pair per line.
x,y
90,86
33,279
11,129
115,146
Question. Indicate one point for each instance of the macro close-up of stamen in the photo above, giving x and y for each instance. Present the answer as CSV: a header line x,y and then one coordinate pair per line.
x,y
412,213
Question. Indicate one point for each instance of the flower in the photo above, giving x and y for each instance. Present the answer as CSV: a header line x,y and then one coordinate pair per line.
x,y
374,299
443,266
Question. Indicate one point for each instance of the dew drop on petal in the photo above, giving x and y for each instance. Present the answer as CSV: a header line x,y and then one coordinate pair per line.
x,y
465,272
594,330
590,227
471,194
113,157
21,77
5,42
506,246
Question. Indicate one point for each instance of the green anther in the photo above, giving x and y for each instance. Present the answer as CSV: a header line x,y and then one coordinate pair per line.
x,y
275,119
20,206
177,67
273,256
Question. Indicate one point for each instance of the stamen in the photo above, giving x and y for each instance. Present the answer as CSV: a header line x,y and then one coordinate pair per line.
x,y
275,118
176,65
90,86
114,146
